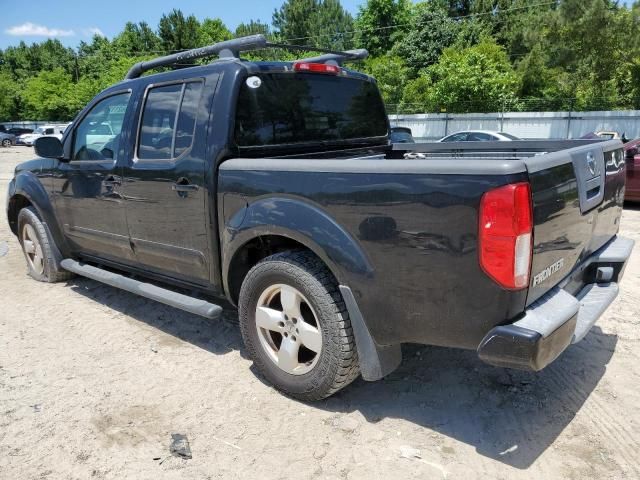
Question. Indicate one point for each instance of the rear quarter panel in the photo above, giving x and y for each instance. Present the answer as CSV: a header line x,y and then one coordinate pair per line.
x,y
417,231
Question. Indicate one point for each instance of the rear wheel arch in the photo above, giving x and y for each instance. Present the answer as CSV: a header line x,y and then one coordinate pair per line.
x,y
260,246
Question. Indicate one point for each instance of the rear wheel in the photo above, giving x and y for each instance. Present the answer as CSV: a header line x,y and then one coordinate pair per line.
x,y
6,142
296,327
42,263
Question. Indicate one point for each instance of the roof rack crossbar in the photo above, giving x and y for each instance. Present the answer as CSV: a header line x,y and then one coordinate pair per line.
x,y
232,49
329,56
228,48
336,58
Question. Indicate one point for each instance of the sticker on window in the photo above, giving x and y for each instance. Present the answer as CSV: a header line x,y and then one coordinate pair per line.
x,y
253,82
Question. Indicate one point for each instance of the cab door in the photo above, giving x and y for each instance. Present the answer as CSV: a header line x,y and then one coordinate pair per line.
x,y
164,181
86,186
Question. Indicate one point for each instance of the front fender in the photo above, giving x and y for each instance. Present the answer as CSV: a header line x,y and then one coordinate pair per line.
x,y
27,184
301,221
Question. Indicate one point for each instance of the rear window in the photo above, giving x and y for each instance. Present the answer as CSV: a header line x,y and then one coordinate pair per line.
x,y
276,109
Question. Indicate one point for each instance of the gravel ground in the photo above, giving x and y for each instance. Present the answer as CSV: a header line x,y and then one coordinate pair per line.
x,y
93,382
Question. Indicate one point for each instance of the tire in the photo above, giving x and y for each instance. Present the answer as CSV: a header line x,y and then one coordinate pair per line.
x,y
42,263
6,142
318,374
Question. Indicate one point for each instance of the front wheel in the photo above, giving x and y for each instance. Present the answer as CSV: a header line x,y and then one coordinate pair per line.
x,y
6,142
296,327
42,263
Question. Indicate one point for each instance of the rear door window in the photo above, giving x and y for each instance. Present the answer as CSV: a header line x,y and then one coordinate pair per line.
x,y
168,121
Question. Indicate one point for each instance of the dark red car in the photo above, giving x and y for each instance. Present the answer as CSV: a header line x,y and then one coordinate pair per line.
x,y
632,156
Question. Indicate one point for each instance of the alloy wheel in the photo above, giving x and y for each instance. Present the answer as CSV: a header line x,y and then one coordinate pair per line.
x,y
32,249
288,329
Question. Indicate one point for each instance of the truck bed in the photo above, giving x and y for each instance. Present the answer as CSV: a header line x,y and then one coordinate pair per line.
x,y
402,232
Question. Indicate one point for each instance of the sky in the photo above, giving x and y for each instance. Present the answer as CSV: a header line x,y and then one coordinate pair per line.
x,y
74,20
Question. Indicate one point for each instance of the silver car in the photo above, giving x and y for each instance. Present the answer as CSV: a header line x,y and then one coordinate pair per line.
x,y
479,136
7,139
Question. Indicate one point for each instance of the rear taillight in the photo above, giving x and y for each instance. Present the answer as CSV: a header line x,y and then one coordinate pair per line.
x,y
506,225
316,68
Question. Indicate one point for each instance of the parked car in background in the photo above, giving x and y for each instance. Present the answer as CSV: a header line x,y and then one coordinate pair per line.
x,y
17,131
479,136
401,135
632,157
55,130
611,135
6,139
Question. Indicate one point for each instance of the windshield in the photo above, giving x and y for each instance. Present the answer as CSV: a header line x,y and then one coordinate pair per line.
x,y
276,109
39,131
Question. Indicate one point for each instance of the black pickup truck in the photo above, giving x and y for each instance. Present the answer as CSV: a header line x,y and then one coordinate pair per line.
x,y
275,184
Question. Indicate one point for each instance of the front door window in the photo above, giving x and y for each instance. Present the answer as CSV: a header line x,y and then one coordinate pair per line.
x,y
97,136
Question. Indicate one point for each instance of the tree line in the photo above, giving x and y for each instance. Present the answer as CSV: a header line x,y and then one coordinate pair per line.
x,y
431,56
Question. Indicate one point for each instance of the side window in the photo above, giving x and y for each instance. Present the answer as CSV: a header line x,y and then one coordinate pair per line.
x,y
187,118
97,136
458,137
480,137
48,131
168,121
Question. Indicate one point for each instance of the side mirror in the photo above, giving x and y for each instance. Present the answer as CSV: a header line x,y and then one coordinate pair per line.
x,y
48,147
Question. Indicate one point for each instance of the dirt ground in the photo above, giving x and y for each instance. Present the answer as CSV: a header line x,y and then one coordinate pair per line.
x,y
93,382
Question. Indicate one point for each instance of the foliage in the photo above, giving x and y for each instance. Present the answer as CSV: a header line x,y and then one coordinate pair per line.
x,y
213,31
430,31
321,23
178,32
391,74
381,23
458,55
252,28
478,78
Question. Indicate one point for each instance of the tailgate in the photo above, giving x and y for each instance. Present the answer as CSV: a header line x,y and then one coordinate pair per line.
x,y
577,204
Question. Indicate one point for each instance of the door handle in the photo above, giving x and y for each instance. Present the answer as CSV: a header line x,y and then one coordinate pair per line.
x,y
184,185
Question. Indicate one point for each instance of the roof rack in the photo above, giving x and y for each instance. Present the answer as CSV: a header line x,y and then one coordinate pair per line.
x,y
232,49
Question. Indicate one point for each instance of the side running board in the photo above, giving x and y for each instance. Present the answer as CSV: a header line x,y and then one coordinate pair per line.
x,y
162,295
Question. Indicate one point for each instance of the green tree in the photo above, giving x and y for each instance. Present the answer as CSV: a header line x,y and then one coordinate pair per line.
x,y
178,32
252,28
136,39
321,23
431,30
47,96
213,30
381,23
10,97
476,79
391,73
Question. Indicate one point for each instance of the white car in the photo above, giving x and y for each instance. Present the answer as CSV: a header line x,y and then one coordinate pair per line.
x,y
479,136
44,131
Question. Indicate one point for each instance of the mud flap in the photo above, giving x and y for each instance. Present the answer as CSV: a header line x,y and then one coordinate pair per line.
x,y
376,361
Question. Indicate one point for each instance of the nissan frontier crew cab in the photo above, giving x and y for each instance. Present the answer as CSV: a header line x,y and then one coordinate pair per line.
x,y
275,184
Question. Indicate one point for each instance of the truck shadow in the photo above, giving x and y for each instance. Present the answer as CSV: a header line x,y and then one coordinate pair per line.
x,y
216,336
507,415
